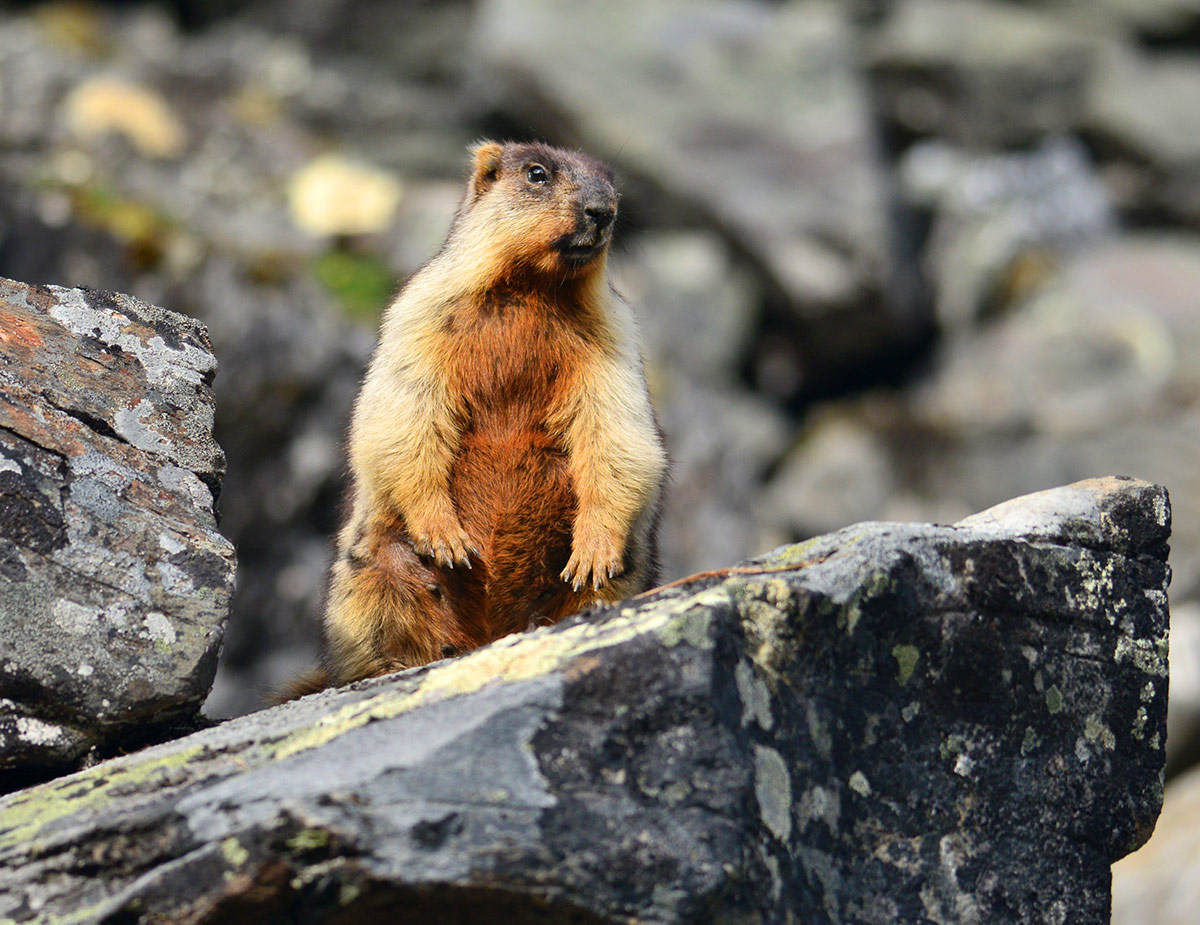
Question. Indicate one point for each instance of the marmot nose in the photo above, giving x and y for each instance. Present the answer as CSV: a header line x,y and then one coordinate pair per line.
x,y
602,215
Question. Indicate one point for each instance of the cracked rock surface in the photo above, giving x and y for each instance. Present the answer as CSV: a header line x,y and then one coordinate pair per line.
x,y
114,582
892,723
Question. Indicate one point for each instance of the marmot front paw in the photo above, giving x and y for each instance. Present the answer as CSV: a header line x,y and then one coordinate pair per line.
x,y
595,558
442,539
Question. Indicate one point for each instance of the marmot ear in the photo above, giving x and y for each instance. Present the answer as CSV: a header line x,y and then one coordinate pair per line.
x,y
487,167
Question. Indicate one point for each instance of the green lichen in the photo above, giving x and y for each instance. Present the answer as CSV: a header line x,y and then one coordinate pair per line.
x,y
234,852
857,538
1031,741
1099,734
25,814
906,660
691,627
1095,594
1149,656
308,840
1139,723
818,731
794,555
769,638
361,284
517,658
1054,699
755,697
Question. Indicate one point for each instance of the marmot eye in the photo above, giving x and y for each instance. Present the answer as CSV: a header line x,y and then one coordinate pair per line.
x,y
536,173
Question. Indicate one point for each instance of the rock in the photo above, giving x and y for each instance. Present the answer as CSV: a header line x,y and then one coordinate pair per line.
x,y
426,41
698,309
981,73
424,212
210,233
1096,372
671,93
841,472
1002,222
33,81
720,441
1099,344
891,723
1157,885
1156,18
291,369
1142,107
114,582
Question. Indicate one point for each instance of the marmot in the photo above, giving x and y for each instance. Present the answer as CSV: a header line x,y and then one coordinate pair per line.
x,y
507,466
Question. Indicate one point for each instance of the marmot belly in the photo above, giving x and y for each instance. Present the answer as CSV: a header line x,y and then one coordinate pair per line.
x,y
514,496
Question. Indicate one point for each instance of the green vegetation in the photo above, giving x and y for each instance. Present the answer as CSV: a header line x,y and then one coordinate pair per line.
x,y
361,284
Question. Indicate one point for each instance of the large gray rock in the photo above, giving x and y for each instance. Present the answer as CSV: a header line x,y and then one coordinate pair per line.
x,y
674,94
889,724
114,582
982,73
697,309
1142,107
1159,18
1001,222
720,440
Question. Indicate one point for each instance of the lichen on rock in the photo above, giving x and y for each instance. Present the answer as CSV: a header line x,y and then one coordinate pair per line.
x,y
114,581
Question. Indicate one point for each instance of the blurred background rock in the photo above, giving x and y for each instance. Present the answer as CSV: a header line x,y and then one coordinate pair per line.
x,y
894,258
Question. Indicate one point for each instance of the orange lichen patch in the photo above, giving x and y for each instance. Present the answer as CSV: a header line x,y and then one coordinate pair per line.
x,y
18,337
59,367
55,431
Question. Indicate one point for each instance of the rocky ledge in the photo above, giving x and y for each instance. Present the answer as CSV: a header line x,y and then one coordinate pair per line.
x,y
892,723
114,582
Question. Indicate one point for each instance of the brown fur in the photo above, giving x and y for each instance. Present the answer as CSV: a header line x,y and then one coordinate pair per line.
x,y
507,467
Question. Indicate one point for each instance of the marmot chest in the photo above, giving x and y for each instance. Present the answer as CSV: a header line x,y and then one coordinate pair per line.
x,y
511,362
510,480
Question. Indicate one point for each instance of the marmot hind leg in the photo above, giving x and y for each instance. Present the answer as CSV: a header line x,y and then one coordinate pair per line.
x,y
387,612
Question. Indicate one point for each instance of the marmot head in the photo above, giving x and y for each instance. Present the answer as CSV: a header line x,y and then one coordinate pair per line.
x,y
534,207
